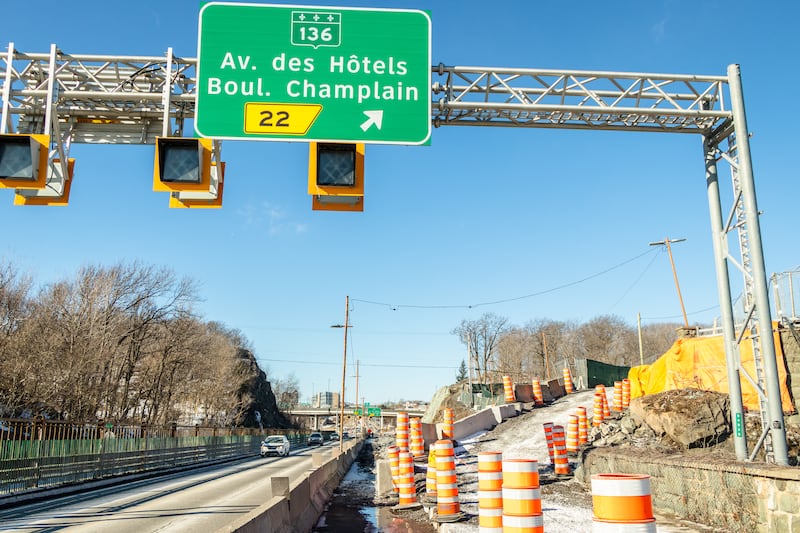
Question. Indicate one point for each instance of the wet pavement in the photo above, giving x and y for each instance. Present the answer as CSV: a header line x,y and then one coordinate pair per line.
x,y
352,508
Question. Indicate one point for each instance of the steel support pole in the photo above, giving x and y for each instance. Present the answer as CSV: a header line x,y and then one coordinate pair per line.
x,y
344,371
760,291
732,357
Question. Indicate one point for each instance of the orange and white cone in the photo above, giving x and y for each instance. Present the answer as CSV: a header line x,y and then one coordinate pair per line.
x,y
622,503
568,385
538,397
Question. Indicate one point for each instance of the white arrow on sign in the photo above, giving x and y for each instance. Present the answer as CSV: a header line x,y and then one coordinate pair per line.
x,y
373,117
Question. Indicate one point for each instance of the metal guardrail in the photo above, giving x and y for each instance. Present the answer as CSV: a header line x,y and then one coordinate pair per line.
x,y
38,454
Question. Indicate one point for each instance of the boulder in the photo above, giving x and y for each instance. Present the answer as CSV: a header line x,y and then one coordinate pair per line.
x,y
689,417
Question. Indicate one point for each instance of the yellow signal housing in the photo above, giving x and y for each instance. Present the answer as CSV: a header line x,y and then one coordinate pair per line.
x,y
211,199
56,192
182,164
23,161
336,176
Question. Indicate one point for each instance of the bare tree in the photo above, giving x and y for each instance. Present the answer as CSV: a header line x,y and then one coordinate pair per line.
x,y
287,391
532,351
656,340
15,369
515,354
602,339
480,337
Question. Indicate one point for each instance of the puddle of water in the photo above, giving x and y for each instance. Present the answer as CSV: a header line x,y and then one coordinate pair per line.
x,y
351,510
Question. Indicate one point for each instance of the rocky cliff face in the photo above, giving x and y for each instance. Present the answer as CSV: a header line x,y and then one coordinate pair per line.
x,y
259,407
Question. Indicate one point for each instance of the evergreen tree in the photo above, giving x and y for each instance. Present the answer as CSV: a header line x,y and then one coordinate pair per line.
x,y
462,372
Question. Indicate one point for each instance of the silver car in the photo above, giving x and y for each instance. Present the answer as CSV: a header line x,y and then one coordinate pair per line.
x,y
275,445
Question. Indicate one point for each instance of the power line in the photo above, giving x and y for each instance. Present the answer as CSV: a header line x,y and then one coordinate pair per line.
x,y
680,316
379,365
638,279
395,307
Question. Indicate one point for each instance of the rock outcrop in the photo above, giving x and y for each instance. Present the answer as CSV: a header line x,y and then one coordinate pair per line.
x,y
690,418
259,406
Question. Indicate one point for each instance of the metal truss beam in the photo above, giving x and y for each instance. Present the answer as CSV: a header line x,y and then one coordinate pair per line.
x,y
134,99
572,99
99,99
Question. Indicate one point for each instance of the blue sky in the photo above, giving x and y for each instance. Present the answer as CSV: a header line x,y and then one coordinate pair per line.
x,y
480,215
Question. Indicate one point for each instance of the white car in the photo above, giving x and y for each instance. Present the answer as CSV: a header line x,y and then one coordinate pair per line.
x,y
275,445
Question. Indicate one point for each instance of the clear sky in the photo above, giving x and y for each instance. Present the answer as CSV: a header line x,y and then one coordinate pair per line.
x,y
481,215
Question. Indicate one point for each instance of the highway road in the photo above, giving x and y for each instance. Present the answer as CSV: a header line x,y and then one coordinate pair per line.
x,y
203,499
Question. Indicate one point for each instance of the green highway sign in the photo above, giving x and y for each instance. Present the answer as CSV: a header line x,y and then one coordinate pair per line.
x,y
307,73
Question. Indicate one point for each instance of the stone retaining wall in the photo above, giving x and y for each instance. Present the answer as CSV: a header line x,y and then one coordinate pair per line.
x,y
791,352
709,490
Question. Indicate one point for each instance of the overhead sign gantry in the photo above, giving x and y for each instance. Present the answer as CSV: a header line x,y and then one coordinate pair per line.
x,y
299,73
137,99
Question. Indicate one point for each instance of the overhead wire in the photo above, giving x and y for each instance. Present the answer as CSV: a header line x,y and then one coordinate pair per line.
x,y
636,281
395,307
379,365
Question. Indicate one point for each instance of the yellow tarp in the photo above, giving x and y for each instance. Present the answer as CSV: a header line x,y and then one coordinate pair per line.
x,y
699,363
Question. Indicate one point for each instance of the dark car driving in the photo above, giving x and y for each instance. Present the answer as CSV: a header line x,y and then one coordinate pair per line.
x,y
315,439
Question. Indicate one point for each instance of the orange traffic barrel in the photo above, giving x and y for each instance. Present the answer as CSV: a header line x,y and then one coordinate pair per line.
x,y
606,407
406,486
490,499
597,412
522,497
522,502
490,519
538,397
401,431
622,502
523,524
572,434
490,470
520,473
430,475
626,393
406,463
416,444
617,396
393,452
568,386
508,389
583,426
447,503
560,459
445,463
447,423
490,493
548,435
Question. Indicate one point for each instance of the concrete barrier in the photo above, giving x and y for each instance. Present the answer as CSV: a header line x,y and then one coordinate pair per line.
x,y
483,420
295,509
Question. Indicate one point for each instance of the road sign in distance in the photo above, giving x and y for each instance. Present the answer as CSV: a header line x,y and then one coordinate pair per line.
x,y
304,73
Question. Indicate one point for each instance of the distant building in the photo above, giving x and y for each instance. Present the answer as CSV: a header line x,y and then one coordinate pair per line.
x,y
323,400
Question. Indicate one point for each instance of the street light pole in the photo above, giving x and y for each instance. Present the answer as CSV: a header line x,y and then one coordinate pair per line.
x,y
674,273
344,369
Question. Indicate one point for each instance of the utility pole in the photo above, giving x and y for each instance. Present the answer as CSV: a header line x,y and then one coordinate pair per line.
x,y
546,359
344,369
674,273
358,416
639,327
469,359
